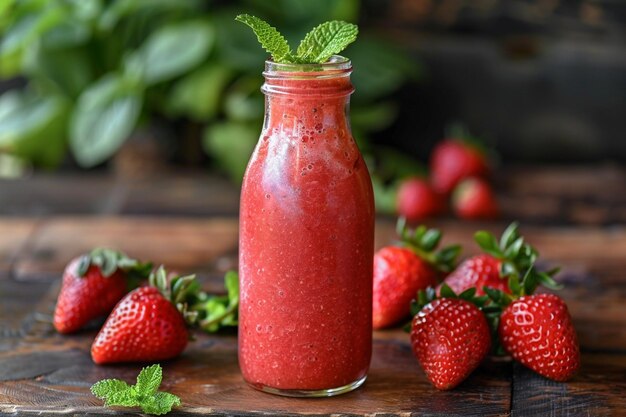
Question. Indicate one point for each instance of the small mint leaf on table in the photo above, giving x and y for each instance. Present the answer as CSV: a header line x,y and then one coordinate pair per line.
x,y
102,389
160,403
149,380
143,394
326,40
127,398
271,39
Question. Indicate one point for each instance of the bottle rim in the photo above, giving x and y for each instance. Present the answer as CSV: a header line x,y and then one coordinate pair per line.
x,y
336,66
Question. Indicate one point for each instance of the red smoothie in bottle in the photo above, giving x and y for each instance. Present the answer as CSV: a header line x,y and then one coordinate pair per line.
x,y
306,239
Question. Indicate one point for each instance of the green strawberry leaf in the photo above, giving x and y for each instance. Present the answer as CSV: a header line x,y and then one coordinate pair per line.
x,y
109,261
271,40
509,235
326,40
468,294
447,292
488,243
83,265
424,241
431,239
546,280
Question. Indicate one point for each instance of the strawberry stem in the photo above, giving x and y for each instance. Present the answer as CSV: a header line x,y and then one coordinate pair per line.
x,y
424,241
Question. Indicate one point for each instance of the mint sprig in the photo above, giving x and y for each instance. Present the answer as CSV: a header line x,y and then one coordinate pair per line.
x,y
143,394
326,40
271,39
322,42
216,312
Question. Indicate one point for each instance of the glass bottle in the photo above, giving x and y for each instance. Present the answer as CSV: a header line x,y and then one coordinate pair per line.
x,y
306,239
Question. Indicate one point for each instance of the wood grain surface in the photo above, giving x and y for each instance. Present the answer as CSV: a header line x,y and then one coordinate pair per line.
x,y
44,373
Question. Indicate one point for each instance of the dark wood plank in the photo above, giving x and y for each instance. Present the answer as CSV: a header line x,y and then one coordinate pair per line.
x,y
171,195
556,195
183,245
597,390
585,195
14,234
16,309
199,195
45,195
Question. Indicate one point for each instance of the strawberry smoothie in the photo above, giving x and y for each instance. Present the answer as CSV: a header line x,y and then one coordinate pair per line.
x,y
306,239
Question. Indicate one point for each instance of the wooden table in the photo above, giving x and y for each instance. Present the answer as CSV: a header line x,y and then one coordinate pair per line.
x,y
574,216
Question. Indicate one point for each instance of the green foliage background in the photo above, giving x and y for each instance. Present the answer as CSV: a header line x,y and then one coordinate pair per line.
x,y
96,70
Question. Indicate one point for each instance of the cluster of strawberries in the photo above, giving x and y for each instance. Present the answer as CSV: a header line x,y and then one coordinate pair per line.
x,y
486,304
149,323
458,169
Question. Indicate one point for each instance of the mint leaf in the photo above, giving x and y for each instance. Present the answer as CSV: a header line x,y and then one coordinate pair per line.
x,y
231,282
271,40
102,389
326,40
160,403
216,312
149,380
144,394
127,398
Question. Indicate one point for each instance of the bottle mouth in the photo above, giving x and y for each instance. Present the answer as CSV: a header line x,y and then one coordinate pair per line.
x,y
336,66
332,78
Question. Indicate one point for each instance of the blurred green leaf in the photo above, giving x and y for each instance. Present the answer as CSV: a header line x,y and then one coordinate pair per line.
x,y
393,164
119,9
11,166
373,117
25,31
85,10
306,13
23,35
384,196
104,117
198,94
68,33
235,46
33,127
65,71
174,49
244,101
380,68
231,144
6,13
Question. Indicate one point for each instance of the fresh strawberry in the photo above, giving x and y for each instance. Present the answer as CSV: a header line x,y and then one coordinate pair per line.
x,y
537,331
450,337
416,200
491,268
477,271
473,198
92,285
148,324
454,160
399,272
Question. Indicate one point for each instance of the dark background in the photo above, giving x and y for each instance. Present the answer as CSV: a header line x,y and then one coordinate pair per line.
x,y
542,81
539,81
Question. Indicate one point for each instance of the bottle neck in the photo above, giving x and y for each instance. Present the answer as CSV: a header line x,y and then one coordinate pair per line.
x,y
310,98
